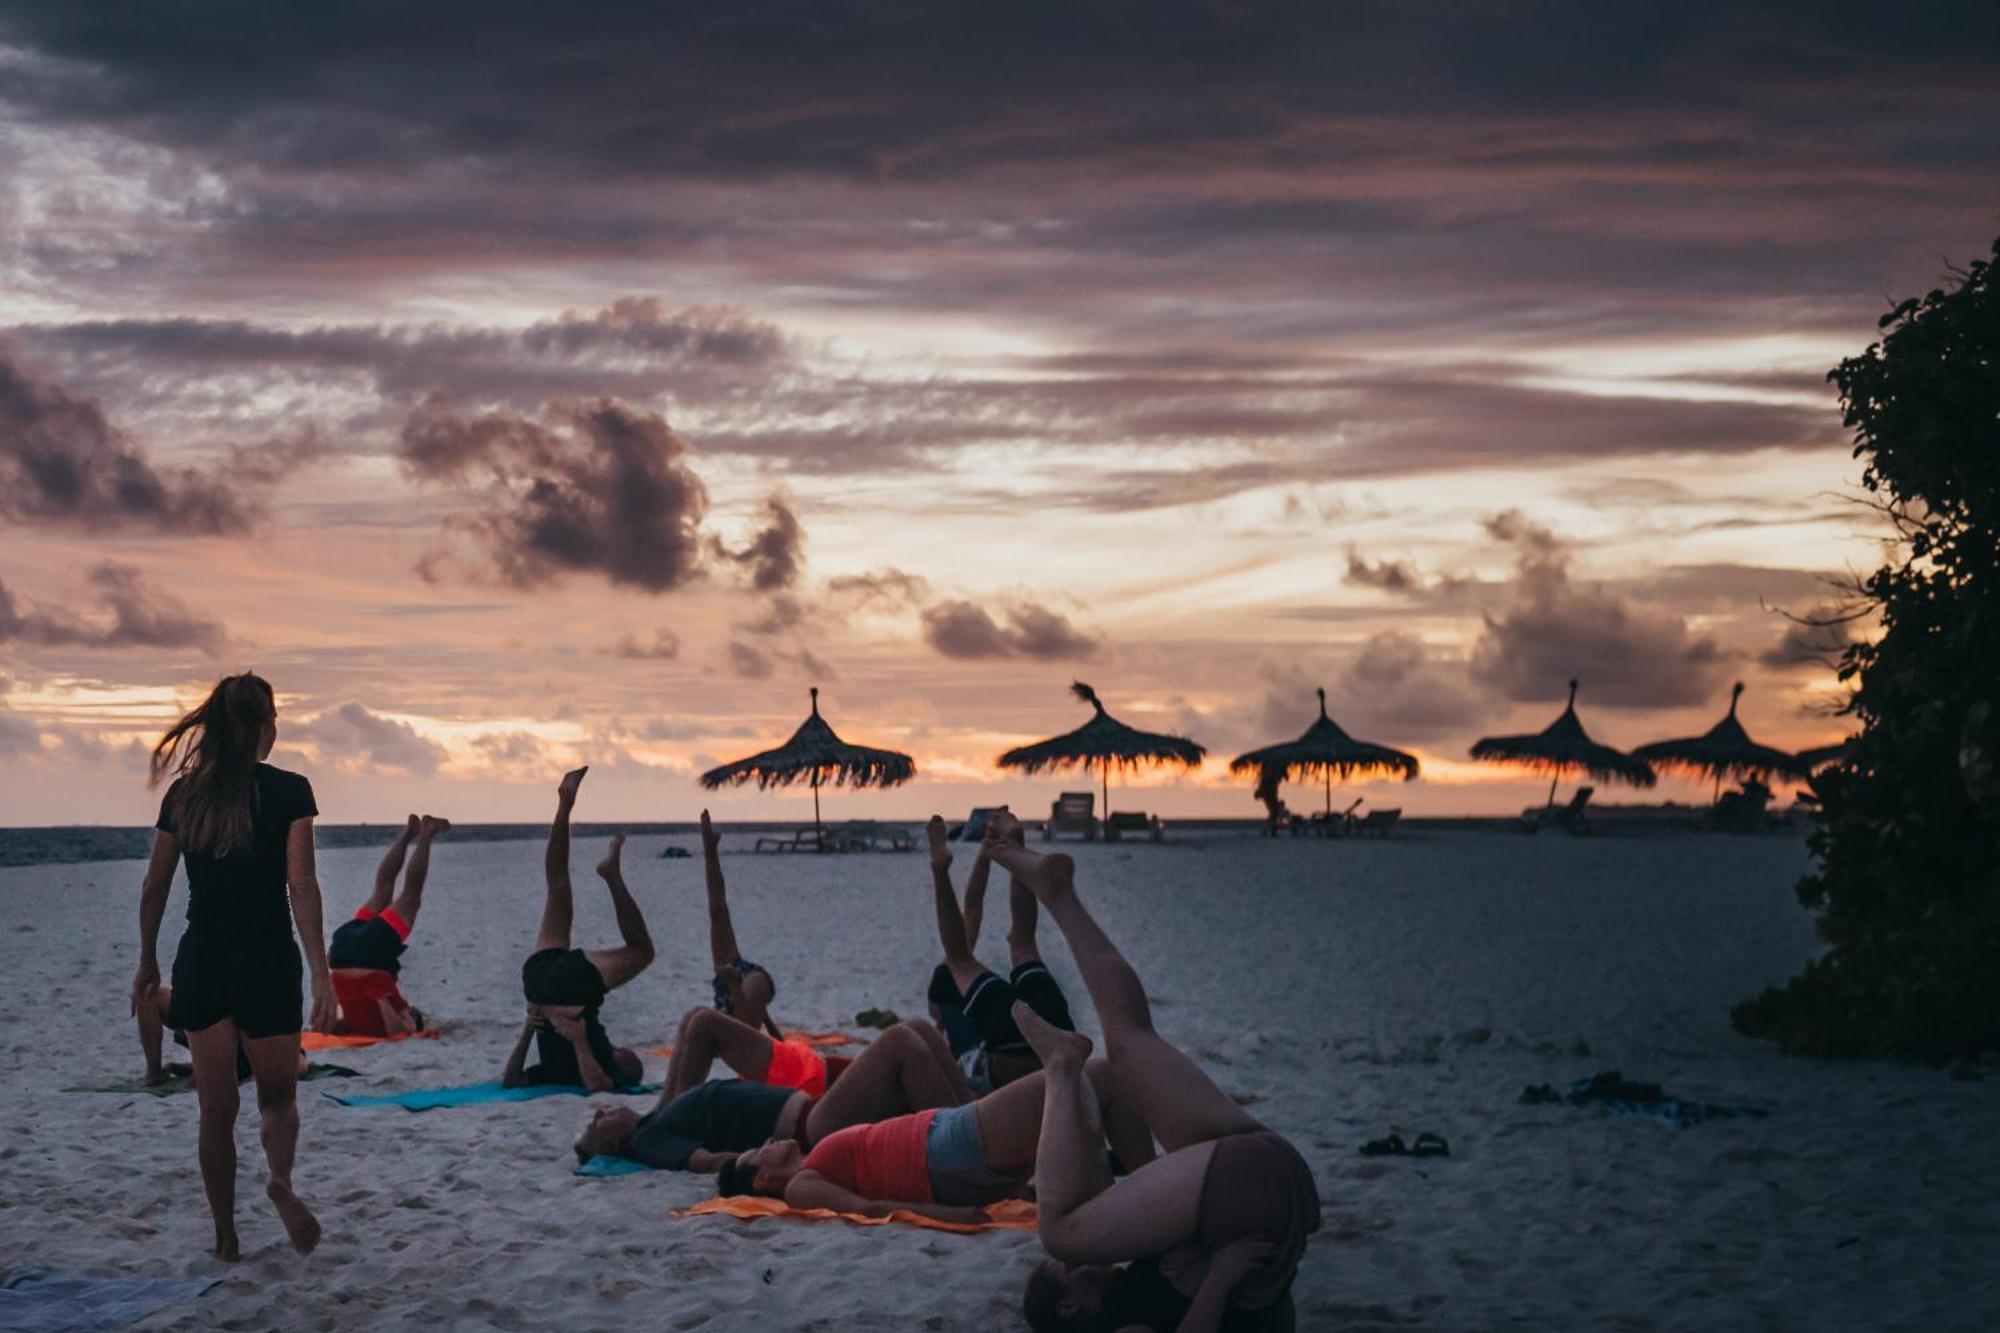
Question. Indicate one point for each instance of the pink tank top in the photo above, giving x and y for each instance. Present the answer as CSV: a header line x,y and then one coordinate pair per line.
x,y
886,1161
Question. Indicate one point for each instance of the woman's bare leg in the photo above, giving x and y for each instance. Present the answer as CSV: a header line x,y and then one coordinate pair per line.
x,y
896,1074
965,969
1179,1102
618,966
213,1051
411,900
274,1063
706,1036
152,1018
941,1056
559,907
1082,1219
391,866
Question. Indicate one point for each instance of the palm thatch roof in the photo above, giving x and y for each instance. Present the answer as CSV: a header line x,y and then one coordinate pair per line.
x,y
1325,749
1103,743
1724,752
1821,755
815,754
1565,747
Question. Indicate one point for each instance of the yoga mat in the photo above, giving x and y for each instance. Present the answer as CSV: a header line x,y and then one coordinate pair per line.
x,y
327,1041
474,1094
35,1301
604,1168
185,1082
1007,1215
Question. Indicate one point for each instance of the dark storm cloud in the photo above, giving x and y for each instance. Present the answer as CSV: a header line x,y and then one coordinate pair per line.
x,y
1631,656
775,555
968,630
591,488
62,461
134,614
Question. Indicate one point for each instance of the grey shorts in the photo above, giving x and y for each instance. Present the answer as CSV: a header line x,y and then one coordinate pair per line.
x,y
956,1158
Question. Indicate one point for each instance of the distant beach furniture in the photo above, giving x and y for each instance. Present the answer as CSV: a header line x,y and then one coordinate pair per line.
x,y
1571,817
816,755
1323,751
974,827
1378,822
1103,743
1564,747
1124,822
1072,812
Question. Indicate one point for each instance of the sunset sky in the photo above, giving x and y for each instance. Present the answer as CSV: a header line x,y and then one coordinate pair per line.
x,y
518,385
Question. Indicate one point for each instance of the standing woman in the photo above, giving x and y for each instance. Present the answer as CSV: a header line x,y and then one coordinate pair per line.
x,y
246,830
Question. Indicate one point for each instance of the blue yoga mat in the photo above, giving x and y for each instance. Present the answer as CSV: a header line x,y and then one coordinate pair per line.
x,y
473,1094
603,1168
34,1301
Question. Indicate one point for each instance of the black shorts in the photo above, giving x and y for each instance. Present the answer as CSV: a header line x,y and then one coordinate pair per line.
x,y
562,976
989,1005
257,981
372,944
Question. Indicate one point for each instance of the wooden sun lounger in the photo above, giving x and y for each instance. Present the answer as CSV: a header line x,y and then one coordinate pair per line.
x,y
801,840
1571,816
1072,812
1379,822
1124,822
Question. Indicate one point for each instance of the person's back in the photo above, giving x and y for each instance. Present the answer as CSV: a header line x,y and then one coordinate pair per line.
x,y
242,892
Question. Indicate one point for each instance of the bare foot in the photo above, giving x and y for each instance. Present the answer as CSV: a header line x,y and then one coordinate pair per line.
x,y
1001,826
300,1224
607,869
1058,1049
935,834
1051,876
226,1248
566,789
435,825
410,827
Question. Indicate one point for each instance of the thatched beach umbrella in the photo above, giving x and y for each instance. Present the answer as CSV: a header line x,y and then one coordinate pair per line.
x,y
1725,750
1325,751
1822,755
1564,747
1103,743
815,754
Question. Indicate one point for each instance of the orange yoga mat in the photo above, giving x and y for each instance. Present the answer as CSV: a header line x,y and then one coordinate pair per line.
x,y
809,1038
1007,1215
327,1041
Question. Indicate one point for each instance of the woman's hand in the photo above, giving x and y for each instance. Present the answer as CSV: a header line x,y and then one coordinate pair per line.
x,y
568,1024
145,983
325,1014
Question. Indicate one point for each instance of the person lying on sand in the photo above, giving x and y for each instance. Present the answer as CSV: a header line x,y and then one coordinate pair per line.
x,y
969,997
743,989
941,1163
705,1126
1209,1234
365,953
565,987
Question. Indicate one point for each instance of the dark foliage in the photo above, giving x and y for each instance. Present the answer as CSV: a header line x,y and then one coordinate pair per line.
x,y
1908,836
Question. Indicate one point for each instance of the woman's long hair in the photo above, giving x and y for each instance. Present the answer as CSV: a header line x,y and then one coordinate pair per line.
x,y
214,752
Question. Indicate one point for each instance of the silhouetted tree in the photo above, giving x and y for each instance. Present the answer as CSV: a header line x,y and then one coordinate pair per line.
x,y
1908,832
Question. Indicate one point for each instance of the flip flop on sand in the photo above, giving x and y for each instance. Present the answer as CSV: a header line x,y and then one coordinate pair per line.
x,y
1426,1145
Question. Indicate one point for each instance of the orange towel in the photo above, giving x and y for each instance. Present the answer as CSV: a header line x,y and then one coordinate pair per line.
x,y
809,1038
1007,1215
327,1041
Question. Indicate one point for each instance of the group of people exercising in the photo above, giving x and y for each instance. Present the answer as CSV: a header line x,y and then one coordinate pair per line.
x,y
996,1097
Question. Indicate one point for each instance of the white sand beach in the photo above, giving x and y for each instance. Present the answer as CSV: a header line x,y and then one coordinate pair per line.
x,y
1344,989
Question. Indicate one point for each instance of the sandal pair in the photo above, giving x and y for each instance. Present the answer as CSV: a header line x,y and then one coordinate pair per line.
x,y
1426,1145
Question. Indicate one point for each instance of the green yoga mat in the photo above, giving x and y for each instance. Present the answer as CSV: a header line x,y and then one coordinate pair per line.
x,y
185,1082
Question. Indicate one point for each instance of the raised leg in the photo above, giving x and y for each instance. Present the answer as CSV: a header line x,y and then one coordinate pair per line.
x,y
411,900
152,1017
559,907
390,867
941,1056
213,1051
1023,916
628,960
1178,1101
965,969
896,1074
707,1036
274,1063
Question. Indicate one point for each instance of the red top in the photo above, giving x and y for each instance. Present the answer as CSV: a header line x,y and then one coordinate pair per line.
x,y
358,990
884,1161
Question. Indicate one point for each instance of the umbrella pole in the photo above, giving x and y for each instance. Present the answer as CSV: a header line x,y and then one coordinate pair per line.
x,y
1106,774
1329,791
819,838
1552,791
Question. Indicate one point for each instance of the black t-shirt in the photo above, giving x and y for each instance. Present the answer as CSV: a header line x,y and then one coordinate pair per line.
x,y
722,1115
244,893
558,1058
1141,1297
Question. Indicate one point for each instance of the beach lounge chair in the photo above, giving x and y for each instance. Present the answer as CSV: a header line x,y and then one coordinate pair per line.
x,y
1379,822
1537,817
1132,822
974,827
1072,812
801,840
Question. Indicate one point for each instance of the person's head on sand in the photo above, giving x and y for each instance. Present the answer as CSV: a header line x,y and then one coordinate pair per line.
x,y
608,1133
766,1170
214,751
1060,1298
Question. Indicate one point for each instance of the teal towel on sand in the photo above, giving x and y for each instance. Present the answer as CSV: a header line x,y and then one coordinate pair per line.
x,y
34,1301
603,1168
185,1082
475,1094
